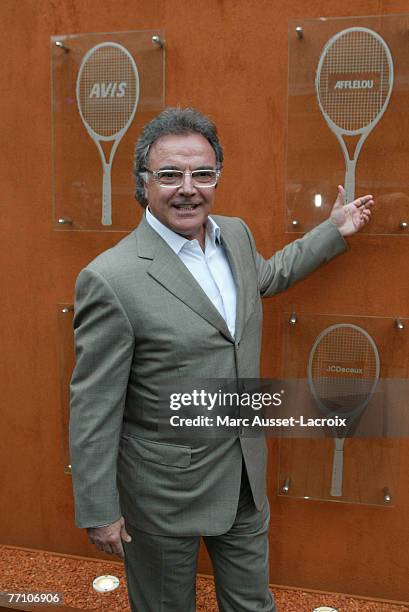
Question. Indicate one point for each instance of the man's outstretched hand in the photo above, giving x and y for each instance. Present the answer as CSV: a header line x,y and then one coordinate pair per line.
x,y
352,217
109,538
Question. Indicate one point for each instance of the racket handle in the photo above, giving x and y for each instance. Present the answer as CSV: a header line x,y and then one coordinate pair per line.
x,y
337,468
350,181
106,196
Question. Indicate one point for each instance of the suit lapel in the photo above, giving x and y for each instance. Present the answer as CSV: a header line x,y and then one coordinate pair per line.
x,y
168,270
233,255
244,275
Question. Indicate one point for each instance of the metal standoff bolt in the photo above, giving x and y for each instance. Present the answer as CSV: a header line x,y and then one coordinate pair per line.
x,y
158,41
299,31
399,324
295,223
61,45
65,221
403,225
293,319
67,469
67,309
286,485
387,497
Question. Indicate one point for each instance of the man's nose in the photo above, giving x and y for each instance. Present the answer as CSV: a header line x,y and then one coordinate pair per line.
x,y
187,186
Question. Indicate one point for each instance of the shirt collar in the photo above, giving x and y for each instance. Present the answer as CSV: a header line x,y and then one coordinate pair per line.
x,y
176,241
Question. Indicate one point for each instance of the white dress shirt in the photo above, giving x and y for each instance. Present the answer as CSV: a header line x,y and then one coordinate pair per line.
x,y
211,268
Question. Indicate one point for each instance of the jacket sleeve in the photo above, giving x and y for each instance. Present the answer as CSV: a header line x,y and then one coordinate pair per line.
x,y
104,343
298,258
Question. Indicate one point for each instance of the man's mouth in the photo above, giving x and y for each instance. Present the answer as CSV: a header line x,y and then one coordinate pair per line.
x,y
188,206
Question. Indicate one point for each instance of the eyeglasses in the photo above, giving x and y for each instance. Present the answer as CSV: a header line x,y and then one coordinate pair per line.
x,y
174,178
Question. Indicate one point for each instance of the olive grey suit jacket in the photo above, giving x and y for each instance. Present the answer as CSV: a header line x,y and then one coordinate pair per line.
x,y
141,318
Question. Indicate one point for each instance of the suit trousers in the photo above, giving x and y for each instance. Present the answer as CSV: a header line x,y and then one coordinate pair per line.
x,y
161,570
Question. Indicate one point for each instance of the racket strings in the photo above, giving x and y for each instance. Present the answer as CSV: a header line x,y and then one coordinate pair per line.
x,y
107,91
355,57
344,369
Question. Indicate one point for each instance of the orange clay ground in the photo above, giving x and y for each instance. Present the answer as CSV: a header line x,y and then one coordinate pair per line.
x,y
23,570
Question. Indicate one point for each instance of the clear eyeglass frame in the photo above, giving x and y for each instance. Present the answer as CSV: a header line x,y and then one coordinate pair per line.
x,y
176,181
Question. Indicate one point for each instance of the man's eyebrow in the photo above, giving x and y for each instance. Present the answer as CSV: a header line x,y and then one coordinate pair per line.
x,y
168,167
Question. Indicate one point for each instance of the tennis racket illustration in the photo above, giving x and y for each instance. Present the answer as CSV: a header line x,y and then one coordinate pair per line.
x,y
354,83
107,97
343,371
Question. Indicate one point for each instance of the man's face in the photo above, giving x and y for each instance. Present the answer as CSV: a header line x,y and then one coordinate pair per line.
x,y
183,209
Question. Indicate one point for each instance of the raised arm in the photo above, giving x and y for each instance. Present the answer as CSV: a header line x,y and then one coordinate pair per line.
x,y
301,257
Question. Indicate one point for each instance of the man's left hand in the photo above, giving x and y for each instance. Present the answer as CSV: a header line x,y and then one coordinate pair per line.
x,y
352,217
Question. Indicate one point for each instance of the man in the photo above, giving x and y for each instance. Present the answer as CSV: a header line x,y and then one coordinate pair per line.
x,y
179,297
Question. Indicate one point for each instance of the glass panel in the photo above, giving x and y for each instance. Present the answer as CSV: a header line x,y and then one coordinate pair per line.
x,y
351,91
370,470
65,313
126,63
368,466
